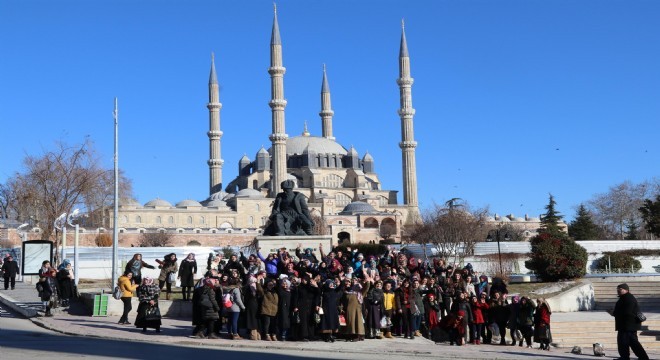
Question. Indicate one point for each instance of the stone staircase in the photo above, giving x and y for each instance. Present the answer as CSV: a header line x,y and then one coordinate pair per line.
x,y
566,334
647,294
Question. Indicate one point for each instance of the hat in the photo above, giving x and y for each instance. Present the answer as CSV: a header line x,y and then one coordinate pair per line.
x,y
360,256
623,286
461,313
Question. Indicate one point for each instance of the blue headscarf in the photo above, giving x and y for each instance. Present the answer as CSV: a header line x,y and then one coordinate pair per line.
x,y
64,264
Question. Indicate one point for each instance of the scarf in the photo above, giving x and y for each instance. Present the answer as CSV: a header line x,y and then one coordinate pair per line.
x,y
433,318
136,266
64,264
253,285
188,258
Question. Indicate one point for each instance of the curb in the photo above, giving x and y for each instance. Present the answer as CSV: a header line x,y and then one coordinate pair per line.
x,y
12,304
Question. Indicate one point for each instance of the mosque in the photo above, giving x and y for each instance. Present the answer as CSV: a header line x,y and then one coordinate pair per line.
x,y
342,189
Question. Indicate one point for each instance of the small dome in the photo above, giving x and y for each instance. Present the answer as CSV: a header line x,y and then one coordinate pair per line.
x,y
245,159
358,207
352,151
367,157
490,218
250,193
186,203
504,219
520,219
262,151
158,203
533,219
216,203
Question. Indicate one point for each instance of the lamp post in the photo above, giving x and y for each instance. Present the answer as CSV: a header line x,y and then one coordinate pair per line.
x,y
60,224
75,217
497,238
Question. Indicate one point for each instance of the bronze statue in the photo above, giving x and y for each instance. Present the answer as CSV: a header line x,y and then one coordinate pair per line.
x,y
290,215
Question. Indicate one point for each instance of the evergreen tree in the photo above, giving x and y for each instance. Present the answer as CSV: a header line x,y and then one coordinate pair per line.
x,y
550,221
633,230
583,227
651,215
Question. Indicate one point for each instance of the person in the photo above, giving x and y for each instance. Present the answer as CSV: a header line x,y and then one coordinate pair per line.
x,y
135,266
290,215
46,288
127,286
499,315
269,301
251,299
542,333
626,323
352,302
374,306
305,302
207,308
284,308
149,293
9,271
187,271
66,282
235,309
526,320
479,307
329,325
167,265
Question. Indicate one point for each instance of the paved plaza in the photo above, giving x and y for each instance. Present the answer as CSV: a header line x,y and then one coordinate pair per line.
x,y
176,332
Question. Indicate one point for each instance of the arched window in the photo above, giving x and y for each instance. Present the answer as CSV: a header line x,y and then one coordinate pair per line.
x,y
342,200
158,220
190,220
138,219
124,219
170,220
371,223
202,220
251,220
258,207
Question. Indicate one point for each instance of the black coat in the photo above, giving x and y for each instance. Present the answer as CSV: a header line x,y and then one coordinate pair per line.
x,y
329,303
187,271
206,298
67,285
197,315
10,269
283,309
625,312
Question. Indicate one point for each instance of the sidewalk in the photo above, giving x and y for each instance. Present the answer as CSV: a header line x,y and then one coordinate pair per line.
x,y
178,332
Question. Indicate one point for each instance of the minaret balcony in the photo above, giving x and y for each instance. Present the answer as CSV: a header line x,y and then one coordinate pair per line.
x,y
407,81
276,70
278,138
214,134
215,162
408,144
277,104
406,112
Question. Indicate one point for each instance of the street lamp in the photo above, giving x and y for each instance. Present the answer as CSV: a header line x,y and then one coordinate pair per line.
x,y
497,238
75,217
60,224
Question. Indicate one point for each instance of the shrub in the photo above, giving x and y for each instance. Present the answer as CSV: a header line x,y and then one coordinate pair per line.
x,y
640,252
194,243
103,240
556,257
618,260
156,239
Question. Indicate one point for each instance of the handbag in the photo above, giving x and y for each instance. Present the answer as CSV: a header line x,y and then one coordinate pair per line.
x,y
296,317
317,318
152,313
640,316
117,293
544,333
171,277
383,322
342,320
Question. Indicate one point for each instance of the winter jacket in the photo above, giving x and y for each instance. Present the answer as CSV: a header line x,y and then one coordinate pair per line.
x,y
477,312
269,302
127,289
236,299
625,312
208,304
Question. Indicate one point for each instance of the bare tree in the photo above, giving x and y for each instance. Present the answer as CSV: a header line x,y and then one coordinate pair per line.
x,y
155,239
387,230
320,225
453,230
614,209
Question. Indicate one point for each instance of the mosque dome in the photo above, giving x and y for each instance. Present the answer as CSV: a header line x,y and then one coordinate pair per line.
x,y
358,207
129,202
249,193
187,203
216,203
158,203
319,145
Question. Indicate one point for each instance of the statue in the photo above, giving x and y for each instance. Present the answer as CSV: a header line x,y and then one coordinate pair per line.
x,y
290,215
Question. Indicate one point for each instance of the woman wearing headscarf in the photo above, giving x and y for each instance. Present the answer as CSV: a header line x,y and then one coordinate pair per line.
x,y
526,320
374,307
135,266
542,332
187,271
514,310
269,302
234,311
149,293
482,286
284,308
167,266
65,280
47,288
330,297
498,314
352,301
251,300
305,300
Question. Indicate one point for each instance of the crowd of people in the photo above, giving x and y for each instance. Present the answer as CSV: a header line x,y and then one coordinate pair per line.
x,y
56,286
280,296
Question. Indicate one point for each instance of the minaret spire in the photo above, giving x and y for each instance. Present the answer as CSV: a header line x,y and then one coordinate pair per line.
x,y
326,108
215,161
277,104
406,113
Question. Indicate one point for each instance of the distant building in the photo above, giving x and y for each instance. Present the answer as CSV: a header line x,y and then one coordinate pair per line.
x,y
528,226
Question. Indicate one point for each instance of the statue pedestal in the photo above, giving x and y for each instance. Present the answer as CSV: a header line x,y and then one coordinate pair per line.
x,y
270,244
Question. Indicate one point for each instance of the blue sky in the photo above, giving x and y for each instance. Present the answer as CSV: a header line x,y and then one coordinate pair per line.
x,y
514,99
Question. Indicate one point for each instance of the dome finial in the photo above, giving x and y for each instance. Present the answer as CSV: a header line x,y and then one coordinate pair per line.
x,y
403,24
305,131
275,8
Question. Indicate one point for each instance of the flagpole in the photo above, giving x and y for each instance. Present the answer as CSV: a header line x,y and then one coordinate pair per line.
x,y
115,235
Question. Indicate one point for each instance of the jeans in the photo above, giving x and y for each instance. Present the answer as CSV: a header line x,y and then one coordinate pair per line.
x,y
168,286
416,322
232,323
627,340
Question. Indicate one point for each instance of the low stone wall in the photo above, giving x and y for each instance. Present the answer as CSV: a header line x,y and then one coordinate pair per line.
x,y
579,298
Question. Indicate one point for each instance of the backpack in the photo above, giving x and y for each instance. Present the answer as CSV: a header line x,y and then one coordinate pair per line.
x,y
117,293
226,300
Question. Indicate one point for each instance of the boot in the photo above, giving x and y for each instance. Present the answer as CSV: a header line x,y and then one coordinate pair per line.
x,y
266,337
235,337
273,337
378,335
388,335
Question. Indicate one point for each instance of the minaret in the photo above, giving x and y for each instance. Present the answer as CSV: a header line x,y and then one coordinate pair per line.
x,y
277,105
406,112
214,106
326,108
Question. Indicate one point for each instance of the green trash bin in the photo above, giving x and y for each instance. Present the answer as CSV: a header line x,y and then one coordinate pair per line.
x,y
100,307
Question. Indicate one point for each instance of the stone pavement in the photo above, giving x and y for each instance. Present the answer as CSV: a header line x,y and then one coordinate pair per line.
x,y
178,331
